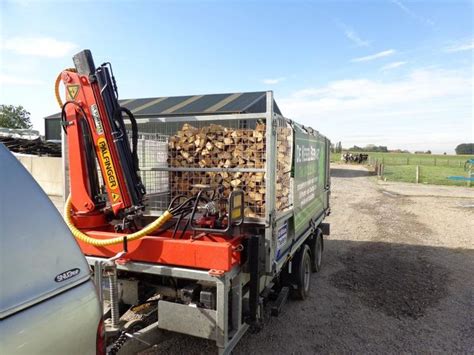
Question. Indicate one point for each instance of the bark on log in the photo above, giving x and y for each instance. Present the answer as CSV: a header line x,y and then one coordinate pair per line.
x,y
217,146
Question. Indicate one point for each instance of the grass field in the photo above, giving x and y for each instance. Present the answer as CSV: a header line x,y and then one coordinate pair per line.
x,y
434,169
421,159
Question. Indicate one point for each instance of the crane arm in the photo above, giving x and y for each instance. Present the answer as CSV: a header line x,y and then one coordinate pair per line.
x,y
96,132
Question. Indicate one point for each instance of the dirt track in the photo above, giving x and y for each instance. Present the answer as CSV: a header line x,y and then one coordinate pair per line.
x,y
397,277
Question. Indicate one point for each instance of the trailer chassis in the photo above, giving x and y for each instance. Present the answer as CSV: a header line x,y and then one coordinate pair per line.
x,y
215,325
226,324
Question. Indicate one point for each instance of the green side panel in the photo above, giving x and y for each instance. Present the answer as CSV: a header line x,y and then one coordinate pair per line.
x,y
309,178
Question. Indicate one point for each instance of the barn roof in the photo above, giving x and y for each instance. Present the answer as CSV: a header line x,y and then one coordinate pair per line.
x,y
246,102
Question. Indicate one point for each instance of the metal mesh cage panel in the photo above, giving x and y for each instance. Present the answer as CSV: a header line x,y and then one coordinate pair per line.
x,y
182,157
152,149
179,158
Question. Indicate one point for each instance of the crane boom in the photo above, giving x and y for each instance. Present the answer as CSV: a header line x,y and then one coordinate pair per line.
x,y
96,132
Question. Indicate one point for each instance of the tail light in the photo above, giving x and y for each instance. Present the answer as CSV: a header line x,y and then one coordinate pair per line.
x,y
100,341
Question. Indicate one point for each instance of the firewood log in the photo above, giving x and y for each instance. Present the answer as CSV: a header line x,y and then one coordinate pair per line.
x,y
214,146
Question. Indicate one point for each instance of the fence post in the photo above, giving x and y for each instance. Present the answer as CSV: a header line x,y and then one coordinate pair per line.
x,y
417,174
469,175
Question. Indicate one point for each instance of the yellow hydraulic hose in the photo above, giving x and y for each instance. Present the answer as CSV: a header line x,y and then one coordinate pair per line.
x,y
156,224
118,240
56,86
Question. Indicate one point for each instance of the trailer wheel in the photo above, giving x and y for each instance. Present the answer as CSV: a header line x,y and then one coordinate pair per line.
x,y
317,251
302,273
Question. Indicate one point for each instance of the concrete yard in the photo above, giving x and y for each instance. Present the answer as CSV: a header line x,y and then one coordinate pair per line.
x,y
396,277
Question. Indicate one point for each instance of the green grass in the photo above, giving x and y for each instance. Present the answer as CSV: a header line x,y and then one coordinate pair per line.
x,y
420,159
405,173
335,157
413,159
434,169
437,175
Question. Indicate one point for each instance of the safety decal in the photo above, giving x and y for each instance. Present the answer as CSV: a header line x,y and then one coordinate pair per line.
x,y
97,121
115,196
72,90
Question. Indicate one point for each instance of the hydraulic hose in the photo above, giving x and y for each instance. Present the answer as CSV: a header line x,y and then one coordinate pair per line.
x,y
156,224
133,122
150,228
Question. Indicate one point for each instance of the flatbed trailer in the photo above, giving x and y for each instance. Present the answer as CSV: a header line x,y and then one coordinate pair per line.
x,y
275,248
212,278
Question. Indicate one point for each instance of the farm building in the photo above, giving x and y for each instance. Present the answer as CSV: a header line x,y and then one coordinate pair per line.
x,y
148,108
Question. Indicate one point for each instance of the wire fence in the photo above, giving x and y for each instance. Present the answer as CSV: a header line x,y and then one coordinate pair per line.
x,y
414,160
425,174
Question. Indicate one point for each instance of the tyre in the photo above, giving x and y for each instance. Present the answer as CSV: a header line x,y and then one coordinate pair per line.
x,y
316,251
301,274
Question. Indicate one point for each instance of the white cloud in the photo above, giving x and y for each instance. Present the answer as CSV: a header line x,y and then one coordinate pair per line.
x,y
352,35
365,93
392,65
461,47
427,109
355,38
15,80
39,46
273,81
412,14
378,55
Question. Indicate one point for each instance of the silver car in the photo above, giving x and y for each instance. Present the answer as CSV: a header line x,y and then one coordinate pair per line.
x,y
48,302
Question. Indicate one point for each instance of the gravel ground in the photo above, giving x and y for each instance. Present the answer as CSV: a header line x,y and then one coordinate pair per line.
x,y
397,276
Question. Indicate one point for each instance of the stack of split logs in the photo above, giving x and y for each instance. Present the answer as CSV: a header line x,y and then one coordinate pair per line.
x,y
284,149
215,146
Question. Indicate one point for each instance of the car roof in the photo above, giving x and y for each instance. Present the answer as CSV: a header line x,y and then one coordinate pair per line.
x,y
35,244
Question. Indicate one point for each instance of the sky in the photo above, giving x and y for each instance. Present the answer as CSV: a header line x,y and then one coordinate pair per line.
x,y
397,73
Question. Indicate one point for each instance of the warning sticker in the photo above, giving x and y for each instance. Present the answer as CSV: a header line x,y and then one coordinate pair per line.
x,y
115,196
97,121
72,91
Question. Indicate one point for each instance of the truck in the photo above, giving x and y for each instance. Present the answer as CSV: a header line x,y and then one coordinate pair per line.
x,y
201,220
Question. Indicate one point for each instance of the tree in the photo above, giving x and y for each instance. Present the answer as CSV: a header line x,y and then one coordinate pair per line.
x,y
370,148
465,148
14,117
355,149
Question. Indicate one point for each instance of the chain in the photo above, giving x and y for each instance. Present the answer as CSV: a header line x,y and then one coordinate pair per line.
x,y
118,344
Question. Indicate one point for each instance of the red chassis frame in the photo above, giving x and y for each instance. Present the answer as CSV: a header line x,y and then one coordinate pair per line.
x,y
208,252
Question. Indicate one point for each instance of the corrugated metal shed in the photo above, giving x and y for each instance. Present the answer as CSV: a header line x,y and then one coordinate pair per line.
x,y
247,102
